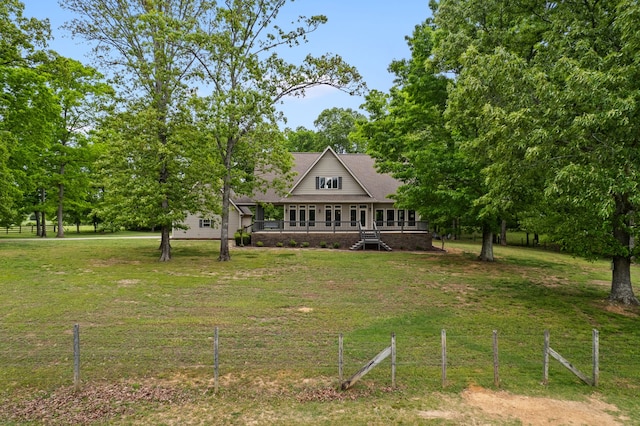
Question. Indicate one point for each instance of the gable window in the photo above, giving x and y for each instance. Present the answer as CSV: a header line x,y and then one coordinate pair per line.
x,y
205,223
334,182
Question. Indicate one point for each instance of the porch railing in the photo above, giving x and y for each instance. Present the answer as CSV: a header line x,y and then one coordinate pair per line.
x,y
335,226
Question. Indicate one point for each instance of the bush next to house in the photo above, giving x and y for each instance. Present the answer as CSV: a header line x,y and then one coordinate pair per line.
x,y
242,238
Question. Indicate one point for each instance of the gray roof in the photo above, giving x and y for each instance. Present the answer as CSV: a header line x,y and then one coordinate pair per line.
x,y
361,166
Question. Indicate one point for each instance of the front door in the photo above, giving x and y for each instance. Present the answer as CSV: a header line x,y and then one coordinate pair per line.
x,y
363,216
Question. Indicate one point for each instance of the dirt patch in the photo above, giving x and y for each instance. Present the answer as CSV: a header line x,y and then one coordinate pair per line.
x,y
627,311
536,411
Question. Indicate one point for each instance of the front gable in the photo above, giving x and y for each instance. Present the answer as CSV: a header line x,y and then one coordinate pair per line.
x,y
328,176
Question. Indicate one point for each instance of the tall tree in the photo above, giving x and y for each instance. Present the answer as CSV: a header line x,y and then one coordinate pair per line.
x,y
407,135
302,140
27,109
554,87
78,90
335,126
247,77
148,40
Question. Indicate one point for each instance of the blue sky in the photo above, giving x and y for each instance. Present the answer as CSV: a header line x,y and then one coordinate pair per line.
x,y
368,34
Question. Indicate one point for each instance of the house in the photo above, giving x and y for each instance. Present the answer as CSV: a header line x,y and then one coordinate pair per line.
x,y
338,199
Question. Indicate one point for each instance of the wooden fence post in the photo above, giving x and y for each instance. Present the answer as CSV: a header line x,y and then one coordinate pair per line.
x,y
340,356
76,357
545,359
215,360
596,357
443,339
496,376
393,360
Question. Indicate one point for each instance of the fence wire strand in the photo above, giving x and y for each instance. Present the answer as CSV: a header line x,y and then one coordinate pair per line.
x,y
138,355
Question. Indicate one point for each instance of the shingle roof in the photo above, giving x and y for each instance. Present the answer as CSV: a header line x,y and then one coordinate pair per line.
x,y
361,166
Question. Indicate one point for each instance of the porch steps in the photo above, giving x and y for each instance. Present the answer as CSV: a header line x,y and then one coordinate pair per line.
x,y
362,243
369,236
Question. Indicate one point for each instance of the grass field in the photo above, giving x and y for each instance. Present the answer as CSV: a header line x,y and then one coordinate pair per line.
x,y
147,333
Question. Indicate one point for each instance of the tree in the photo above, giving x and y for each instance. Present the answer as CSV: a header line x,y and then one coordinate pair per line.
x,y
302,140
27,109
149,41
554,89
407,135
78,90
334,128
166,44
247,77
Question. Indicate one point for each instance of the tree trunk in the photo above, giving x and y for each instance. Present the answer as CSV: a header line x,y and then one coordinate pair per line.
x,y
621,288
165,245
38,230
486,254
60,233
503,233
225,255
43,225
43,222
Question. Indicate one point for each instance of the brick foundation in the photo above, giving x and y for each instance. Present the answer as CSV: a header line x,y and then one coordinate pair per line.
x,y
395,240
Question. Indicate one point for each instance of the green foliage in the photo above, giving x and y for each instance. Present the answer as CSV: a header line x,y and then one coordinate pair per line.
x,y
241,61
335,126
242,238
547,94
408,136
303,140
133,160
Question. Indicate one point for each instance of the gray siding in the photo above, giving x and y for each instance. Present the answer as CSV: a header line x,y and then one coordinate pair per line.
x,y
329,166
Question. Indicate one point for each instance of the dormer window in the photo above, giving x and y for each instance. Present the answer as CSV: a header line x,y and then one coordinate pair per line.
x,y
334,182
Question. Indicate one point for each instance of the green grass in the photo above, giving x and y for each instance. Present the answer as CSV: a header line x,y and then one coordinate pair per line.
x,y
279,314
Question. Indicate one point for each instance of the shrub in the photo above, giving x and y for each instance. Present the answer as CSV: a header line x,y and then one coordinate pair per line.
x,y
292,243
305,244
259,244
246,238
336,245
279,244
323,244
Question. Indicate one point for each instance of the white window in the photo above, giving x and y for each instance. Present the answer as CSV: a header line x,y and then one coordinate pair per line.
x,y
333,182
205,223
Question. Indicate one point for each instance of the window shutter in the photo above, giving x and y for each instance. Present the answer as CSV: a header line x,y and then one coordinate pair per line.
x,y
317,182
340,182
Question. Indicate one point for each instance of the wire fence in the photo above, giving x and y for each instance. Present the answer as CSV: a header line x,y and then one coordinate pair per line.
x,y
41,359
